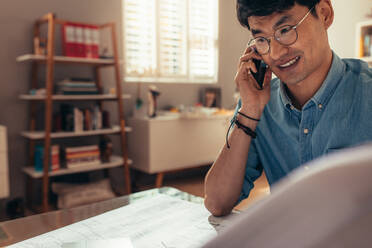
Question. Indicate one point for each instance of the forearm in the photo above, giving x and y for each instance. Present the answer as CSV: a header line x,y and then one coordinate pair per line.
x,y
224,180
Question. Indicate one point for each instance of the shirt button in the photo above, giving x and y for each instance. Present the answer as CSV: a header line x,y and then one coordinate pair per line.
x,y
292,107
320,106
306,131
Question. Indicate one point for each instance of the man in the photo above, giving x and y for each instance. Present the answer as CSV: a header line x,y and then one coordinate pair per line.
x,y
317,103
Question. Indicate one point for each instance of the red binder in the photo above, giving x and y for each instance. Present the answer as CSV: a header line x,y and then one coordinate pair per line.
x,y
95,41
88,42
68,40
79,34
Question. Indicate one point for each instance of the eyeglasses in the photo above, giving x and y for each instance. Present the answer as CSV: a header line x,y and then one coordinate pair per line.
x,y
286,35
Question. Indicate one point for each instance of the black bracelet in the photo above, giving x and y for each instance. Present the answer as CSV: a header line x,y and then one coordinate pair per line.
x,y
246,129
248,117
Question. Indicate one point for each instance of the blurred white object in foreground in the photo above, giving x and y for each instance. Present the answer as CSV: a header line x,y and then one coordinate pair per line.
x,y
326,203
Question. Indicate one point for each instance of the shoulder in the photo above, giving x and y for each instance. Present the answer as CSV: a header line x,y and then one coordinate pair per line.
x,y
359,71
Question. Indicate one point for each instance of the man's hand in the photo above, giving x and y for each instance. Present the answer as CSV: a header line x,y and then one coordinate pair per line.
x,y
253,99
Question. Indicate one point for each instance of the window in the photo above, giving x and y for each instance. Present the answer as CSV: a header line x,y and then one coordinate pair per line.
x,y
170,40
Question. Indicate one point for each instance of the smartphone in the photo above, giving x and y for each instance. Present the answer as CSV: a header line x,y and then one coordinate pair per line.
x,y
261,70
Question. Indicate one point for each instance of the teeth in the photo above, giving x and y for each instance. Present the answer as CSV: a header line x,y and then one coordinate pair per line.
x,y
289,63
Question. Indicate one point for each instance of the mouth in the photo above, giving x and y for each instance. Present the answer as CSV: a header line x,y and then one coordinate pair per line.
x,y
290,64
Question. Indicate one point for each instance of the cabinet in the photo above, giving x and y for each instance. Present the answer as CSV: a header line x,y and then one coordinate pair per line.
x,y
169,143
50,60
363,48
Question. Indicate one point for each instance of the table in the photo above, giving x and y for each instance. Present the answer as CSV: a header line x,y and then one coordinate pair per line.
x,y
25,228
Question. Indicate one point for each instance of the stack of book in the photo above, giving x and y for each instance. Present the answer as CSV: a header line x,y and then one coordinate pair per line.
x,y
77,86
82,156
54,162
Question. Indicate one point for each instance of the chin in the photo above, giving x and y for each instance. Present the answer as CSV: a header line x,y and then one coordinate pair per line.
x,y
292,78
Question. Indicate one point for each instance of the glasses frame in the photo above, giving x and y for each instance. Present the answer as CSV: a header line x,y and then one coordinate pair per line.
x,y
292,27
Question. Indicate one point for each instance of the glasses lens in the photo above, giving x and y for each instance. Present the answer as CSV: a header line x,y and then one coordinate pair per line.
x,y
261,44
286,35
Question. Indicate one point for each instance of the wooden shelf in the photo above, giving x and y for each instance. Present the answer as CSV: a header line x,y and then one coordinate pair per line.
x,y
116,161
73,97
37,135
64,59
50,61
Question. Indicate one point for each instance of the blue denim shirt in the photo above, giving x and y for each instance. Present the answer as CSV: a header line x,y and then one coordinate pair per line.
x,y
339,115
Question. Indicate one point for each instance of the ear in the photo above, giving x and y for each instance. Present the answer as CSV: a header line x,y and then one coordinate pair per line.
x,y
325,13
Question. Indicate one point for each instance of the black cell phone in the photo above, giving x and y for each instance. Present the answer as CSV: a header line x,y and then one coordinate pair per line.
x,y
261,70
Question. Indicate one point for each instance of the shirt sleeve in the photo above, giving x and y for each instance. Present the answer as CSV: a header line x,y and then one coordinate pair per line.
x,y
253,168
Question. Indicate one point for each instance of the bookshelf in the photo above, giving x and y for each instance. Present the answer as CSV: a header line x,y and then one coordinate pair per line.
x,y
37,135
106,97
49,60
363,50
64,59
116,161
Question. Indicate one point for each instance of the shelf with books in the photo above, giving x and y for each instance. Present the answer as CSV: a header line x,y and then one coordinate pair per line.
x,y
116,161
65,59
106,97
73,119
37,135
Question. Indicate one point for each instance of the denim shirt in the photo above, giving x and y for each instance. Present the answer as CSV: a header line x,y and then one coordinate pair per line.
x,y
339,115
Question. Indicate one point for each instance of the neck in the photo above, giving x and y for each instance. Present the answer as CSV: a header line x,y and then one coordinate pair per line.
x,y
303,91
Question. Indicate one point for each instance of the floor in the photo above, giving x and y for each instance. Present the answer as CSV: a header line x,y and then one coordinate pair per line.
x,y
194,184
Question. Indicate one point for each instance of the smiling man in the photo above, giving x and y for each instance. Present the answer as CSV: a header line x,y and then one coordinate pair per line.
x,y
318,103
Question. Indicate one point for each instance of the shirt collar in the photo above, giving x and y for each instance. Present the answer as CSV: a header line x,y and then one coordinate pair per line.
x,y
328,87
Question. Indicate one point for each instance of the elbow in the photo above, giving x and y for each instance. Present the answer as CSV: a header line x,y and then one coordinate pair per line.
x,y
216,209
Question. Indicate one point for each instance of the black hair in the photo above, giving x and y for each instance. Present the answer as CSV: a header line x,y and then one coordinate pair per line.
x,y
247,8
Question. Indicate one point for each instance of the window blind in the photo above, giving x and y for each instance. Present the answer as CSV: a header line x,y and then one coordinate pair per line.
x,y
170,40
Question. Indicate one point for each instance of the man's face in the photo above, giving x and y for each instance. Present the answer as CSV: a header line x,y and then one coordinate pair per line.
x,y
295,63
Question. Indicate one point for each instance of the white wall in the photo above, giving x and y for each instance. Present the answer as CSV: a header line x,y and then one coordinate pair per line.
x,y
342,33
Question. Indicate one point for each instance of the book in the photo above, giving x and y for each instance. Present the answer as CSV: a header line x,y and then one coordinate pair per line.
x,y
106,119
54,160
81,148
97,118
88,125
67,116
82,154
78,120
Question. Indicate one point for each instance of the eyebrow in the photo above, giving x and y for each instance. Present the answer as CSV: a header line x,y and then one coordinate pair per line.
x,y
282,20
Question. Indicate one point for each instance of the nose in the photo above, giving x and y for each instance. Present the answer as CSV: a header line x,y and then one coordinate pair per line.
x,y
277,50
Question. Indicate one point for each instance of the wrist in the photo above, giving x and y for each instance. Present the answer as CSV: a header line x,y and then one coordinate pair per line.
x,y
252,120
254,113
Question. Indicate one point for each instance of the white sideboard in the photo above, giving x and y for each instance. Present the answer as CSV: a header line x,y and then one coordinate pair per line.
x,y
4,174
168,143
